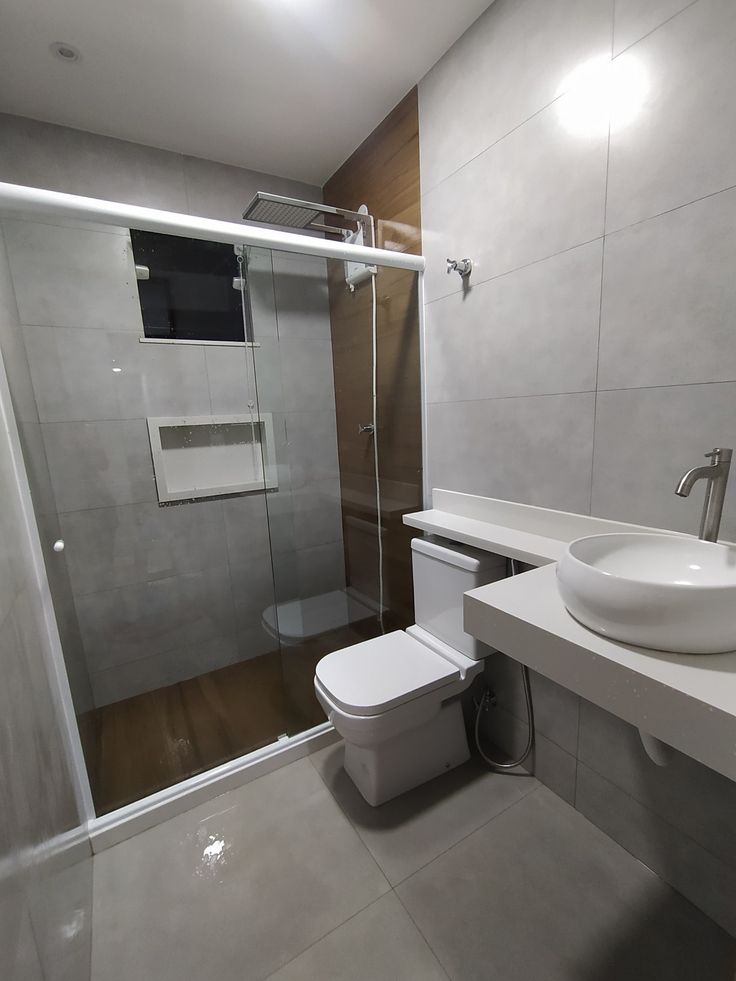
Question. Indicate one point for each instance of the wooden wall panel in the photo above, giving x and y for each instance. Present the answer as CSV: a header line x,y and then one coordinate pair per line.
x,y
382,173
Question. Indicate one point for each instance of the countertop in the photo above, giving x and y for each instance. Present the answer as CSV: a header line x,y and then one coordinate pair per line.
x,y
686,700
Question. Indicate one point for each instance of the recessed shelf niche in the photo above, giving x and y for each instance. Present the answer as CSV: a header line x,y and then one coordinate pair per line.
x,y
211,456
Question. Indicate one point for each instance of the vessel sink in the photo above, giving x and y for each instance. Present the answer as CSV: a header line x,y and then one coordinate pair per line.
x,y
666,592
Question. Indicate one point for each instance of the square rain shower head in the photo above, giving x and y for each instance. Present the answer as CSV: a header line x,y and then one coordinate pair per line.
x,y
271,209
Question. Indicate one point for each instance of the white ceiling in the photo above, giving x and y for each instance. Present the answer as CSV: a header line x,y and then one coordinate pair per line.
x,y
289,87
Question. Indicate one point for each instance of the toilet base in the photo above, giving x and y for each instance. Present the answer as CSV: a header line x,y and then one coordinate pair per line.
x,y
391,768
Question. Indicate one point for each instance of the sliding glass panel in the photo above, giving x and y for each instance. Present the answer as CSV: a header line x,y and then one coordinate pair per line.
x,y
334,586
159,462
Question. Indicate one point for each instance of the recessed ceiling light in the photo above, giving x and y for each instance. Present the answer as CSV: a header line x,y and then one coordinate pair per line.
x,y
64,51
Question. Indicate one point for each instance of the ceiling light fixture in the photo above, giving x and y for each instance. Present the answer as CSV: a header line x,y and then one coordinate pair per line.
x,y
64,51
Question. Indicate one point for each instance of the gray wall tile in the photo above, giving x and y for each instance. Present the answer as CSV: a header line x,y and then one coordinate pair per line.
x,y
306,366
533,450
72,277
317,514
320,569
633,19
119,546
70,160
300,284
230,374
133,622
645,439
668,298
99,464
677,858
246,527
531,332
158,670
538,191
217,190
689,72
489,83
253,589
255,641
73,375
665,336
312,446
505,737
687,795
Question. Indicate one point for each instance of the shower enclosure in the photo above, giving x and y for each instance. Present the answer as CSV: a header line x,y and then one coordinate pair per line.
x,y
205,543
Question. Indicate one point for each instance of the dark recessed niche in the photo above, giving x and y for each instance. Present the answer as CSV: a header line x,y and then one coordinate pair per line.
x,y
191,291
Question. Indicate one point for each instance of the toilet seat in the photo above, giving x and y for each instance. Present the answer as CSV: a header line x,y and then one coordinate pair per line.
x,y
380,674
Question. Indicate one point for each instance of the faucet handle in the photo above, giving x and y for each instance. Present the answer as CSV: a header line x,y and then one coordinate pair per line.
x,y
719,454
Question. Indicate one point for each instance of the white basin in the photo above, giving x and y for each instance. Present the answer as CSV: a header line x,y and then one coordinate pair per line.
x,y
662,591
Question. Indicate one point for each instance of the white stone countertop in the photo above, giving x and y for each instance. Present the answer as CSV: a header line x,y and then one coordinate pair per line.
x,y
686,700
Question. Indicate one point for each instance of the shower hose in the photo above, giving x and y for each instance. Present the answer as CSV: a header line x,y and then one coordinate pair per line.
x,y
483,706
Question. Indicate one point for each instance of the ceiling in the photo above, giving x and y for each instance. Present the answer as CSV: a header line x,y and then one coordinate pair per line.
x,y
289,87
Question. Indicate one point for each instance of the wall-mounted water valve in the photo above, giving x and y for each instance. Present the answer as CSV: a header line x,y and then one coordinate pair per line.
x,y
462,266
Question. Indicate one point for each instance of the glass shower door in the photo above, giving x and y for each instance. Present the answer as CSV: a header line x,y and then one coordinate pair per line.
x,y
318,609
158,467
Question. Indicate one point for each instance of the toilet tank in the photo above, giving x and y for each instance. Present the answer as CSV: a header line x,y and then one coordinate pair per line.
x,y
442,573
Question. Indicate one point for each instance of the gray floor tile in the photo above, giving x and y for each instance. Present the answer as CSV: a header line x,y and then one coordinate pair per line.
x,y
540,893
233,889
408,832
377,944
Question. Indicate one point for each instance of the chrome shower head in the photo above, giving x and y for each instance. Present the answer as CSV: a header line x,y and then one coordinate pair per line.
x,y
272,209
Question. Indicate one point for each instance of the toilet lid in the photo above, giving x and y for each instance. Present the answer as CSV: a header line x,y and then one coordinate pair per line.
x,y
379,674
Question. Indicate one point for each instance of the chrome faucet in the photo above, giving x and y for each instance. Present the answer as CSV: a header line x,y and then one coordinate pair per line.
x,y
716,473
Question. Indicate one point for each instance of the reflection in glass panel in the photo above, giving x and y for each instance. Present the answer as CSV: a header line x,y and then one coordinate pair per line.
x,y
217,497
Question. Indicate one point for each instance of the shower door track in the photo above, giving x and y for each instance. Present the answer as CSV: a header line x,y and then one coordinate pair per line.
x,y
55,206
130,820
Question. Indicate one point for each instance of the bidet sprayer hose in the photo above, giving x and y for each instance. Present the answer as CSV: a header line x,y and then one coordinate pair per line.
x,y
529,711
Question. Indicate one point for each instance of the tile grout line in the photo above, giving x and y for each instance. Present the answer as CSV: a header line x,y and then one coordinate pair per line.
x,y
544,735
726,865
328,933
588,391
421,933
600,299
484,824
654,29
578,245
507,272
577,756
444,850
561,95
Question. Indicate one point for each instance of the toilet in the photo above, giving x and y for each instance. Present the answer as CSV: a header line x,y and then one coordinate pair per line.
x,y
395,699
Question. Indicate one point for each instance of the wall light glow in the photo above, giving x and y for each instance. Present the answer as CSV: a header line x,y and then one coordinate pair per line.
x,y
601,91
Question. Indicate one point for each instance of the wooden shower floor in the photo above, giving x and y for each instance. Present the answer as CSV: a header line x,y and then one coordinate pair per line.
x,y
145,743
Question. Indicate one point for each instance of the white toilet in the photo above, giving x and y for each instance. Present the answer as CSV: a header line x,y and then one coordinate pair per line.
x,y
395,699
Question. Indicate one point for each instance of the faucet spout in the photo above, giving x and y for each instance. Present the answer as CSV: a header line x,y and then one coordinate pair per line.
x,y
716,475
690,479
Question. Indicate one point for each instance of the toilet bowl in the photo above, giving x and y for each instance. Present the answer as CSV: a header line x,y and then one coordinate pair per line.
x,y
395,699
